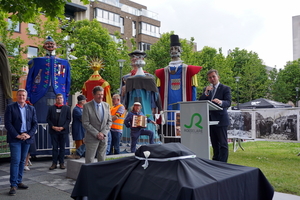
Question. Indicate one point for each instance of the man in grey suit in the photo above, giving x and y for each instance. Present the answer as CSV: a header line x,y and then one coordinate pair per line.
x,y
96,120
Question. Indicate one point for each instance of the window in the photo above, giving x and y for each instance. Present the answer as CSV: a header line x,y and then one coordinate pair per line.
x,y
14,52
149,29
31,29
32,52
105,14
13,25
107,17
122,25
133,29
144,46
114,38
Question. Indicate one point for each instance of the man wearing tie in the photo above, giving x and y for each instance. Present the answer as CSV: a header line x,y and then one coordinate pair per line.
x,y
96,120
221,95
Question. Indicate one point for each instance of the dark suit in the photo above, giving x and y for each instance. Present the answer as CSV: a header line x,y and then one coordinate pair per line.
x,y
78,131
218,133
59,138
13,122
19,148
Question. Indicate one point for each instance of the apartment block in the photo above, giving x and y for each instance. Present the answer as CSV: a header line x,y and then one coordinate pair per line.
x,y
131,19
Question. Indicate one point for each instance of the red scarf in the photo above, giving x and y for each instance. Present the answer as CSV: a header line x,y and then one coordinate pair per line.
x,y
80,106
58,106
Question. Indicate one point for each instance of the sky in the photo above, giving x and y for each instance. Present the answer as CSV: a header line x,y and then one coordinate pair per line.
x,y
261,26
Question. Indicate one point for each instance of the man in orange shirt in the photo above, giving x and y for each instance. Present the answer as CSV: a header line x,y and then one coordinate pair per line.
x,y
118,115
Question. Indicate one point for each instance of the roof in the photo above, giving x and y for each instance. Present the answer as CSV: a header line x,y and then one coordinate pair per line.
x,y
263,103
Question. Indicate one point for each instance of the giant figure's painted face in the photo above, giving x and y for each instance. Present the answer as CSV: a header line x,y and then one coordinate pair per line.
x,y
136,57
175,51
50,46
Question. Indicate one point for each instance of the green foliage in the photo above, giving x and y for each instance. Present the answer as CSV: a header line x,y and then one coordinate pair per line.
x,y
286,81
14,49
26,11
92,41
254,81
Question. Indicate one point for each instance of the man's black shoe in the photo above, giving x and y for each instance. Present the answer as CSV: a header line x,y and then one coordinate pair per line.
x,y
12,191
22,186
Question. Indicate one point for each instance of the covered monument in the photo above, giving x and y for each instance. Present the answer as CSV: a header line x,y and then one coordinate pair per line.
x,y
171,172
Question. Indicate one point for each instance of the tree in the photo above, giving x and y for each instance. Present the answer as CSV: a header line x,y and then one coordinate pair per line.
x,y
209,58
254,81
287,79
92,41
15,50
26,11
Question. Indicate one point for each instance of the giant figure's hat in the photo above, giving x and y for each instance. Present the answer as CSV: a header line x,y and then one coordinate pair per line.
x,y
174,40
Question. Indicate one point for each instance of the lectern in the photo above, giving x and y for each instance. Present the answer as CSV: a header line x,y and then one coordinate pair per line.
x,y
194,125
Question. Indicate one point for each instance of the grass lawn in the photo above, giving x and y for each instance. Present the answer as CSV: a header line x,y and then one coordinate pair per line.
x,y
277,160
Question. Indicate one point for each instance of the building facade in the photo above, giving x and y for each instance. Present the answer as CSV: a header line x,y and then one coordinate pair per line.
x,y
296,37
131,19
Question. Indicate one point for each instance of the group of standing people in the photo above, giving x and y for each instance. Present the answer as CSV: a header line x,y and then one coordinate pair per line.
x,y
21,124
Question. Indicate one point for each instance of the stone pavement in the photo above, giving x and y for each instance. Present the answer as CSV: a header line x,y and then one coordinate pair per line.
x,y
45,184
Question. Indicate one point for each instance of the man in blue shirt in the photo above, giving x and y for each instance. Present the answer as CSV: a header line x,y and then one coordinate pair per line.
x,y
21,125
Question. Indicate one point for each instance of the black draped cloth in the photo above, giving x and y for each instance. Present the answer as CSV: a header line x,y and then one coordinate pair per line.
x,y
142,82
170,179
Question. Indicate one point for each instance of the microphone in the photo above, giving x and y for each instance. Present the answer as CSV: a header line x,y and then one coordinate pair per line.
x,y
208,91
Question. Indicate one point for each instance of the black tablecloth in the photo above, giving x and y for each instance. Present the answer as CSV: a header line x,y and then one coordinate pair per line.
x,y
182,179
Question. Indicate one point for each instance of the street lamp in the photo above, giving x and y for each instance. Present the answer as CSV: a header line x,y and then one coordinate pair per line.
x,y
297,90
121,64
237,79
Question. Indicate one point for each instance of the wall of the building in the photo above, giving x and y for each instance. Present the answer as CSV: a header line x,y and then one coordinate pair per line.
x,y
82,15
128,20
296,37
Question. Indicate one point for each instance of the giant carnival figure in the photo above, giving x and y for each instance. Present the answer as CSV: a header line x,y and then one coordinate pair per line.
x,y
140,87
134,56
96,80
177,82
5,82
47,77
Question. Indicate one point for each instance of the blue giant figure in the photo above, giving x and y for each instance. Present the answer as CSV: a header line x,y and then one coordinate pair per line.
x,y
141,87
47,77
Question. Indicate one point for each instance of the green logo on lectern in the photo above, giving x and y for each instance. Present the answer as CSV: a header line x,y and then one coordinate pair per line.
x,y
195,117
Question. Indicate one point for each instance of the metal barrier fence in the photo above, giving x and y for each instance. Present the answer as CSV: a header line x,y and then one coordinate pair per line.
x,y
42,137
170,125
4,147
44,146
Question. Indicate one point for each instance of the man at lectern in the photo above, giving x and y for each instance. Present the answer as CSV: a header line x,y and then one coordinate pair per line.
x,y
221,95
